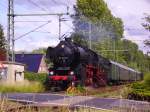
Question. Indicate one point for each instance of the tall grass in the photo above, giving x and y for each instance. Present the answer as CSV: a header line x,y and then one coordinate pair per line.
x,y
25,87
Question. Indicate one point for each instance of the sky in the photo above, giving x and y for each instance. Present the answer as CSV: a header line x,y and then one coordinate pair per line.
x,y
131,12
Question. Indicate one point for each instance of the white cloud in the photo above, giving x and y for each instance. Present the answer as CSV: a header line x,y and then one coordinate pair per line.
x,y
131,12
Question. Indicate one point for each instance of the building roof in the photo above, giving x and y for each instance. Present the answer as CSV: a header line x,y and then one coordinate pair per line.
x,y
9,62
32,61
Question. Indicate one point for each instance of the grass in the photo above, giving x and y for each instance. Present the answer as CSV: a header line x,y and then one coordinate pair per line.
x,y
120,91
109,91
9,106
25,87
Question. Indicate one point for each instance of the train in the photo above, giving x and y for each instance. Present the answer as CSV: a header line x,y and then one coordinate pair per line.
x,y
74,63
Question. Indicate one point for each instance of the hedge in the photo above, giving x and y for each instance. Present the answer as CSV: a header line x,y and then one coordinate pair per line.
x,y
40,77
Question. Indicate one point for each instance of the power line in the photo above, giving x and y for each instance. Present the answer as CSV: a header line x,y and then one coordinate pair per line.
x,y
32,21
68,25
11,15
35,4
59,3
43,32
41,14
45,5
32,30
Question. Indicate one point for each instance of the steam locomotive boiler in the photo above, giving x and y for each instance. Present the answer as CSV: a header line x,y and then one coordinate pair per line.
x,y
75,63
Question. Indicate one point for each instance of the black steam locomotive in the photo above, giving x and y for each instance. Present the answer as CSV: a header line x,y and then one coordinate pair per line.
x,y
75,63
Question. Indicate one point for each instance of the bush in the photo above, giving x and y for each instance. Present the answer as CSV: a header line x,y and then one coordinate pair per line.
x,y
25,87
141,90
39,77
147,79
81,89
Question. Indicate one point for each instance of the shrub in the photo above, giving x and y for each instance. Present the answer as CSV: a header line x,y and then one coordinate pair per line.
x,y
147,79
141,90
39,77
81,89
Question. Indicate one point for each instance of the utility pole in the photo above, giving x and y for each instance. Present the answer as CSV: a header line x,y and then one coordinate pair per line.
x,y
60,20
10,27
49,14
10,31
59,17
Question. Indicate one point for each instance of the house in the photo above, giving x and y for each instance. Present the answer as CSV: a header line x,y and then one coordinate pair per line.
x,y
34,62
11,72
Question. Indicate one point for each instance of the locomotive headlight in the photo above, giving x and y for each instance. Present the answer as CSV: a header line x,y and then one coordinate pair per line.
x,y
51,73
71,73
62,46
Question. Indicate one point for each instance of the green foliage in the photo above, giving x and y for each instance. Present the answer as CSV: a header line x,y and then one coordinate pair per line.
x,y
25,87
97,13
141,90
147,79
81,89
40,51
80,39
39,77
131,56
146,25
2,39
93,9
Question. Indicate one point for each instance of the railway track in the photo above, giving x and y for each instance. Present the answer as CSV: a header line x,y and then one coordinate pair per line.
x,y
47,99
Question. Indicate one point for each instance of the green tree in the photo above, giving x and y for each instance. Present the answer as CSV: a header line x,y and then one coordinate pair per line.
x,y
2,40
103,22
146,25
97,13
39,51
80,39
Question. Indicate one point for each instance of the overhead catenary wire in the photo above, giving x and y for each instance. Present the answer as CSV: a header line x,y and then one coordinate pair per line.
x,y
40,2
68,25
32,21
35,4
43,32
32,30
59,3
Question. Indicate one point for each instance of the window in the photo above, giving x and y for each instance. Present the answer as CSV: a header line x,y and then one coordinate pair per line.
x,y
3,73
